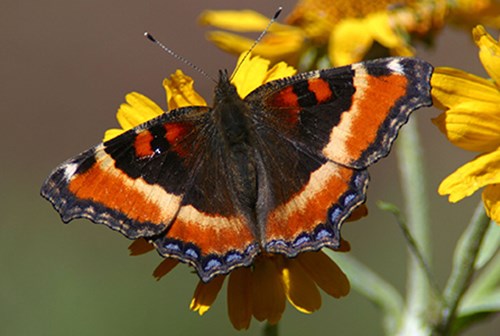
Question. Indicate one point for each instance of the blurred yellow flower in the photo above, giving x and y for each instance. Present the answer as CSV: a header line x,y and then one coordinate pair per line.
x,y
283,43
472,121
346,29
261,290
472,12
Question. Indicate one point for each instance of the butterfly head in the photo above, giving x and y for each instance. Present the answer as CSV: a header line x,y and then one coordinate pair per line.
x,y
224,88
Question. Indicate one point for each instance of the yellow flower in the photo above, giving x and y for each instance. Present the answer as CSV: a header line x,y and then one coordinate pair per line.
x,y
471,12
472,121
282,44
138,108
180,92
347,29
261,290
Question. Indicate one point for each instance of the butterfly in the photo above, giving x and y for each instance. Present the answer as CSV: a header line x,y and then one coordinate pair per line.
x,y
275,172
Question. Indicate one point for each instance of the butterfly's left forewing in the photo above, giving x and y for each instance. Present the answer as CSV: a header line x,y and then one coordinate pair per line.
x,y
166,181
131,183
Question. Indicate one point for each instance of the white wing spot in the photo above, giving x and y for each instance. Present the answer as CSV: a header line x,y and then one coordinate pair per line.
x,y
395,65
69,171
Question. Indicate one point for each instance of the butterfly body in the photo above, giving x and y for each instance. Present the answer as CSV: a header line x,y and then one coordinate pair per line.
x,y
275,172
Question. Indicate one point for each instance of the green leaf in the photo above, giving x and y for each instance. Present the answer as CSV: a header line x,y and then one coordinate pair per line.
x,y
490,246
462,272
484,291
476,312
463,322
482,299
389,207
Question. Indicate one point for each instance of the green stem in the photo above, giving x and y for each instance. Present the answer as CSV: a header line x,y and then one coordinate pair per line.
x,y
413,182
463,267
270,329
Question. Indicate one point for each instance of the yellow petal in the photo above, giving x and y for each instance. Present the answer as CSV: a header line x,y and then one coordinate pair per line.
x,y
300,289
483,170
325,272
137,110
278,46
473,126
112,133
278,71
491,200
378,25
140,246
489,52
205,294
231,43
180,91
282,46
250,74
239,298
165,267
451,87
349,42
242,21
253,72
268,293
352,38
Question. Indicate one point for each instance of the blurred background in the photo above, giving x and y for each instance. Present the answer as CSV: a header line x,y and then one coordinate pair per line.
x,y
65,67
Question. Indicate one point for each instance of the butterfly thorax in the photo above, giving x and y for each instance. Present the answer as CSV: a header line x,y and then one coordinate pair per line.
x,y
231,114
231,117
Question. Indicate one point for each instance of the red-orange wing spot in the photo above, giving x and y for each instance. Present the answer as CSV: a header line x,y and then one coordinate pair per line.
x,y
286,101
285,97
175,134
142,144
321,89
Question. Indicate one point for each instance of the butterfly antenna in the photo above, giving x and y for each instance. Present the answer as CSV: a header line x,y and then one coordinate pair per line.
x,y
264,32
177,56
